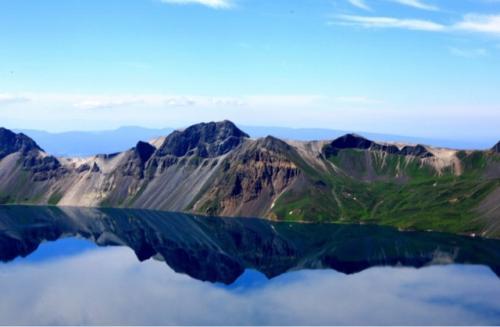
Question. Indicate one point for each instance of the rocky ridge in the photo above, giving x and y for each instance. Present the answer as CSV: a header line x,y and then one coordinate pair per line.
x,y
496,148
216,169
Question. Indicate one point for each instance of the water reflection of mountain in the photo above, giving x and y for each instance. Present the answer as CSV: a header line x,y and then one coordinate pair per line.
x,y
219,250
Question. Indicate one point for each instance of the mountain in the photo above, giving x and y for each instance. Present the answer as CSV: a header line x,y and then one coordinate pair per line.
x,y
496,148
217,169
307,134
81,143
11,142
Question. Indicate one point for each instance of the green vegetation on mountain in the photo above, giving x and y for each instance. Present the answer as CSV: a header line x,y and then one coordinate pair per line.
x,y
216,169
403,192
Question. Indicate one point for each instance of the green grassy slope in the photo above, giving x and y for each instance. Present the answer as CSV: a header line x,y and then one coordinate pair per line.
x,y
394,191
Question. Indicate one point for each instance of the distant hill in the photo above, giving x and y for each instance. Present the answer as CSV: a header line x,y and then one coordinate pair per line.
x,y
83,144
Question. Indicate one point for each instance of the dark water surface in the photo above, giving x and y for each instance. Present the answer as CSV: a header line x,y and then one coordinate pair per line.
x,y
112,266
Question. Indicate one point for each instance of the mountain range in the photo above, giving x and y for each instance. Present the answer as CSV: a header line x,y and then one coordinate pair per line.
x,y
217,169
88,143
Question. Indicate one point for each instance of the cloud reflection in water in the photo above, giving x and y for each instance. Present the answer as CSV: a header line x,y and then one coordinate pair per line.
x,y
109,286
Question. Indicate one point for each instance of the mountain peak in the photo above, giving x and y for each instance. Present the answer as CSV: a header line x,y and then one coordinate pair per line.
x,y
144,150
347,141
273,143
496,147
351,141
11,142
355,141
205,140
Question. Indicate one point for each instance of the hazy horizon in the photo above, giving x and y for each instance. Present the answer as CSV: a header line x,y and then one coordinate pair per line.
x,y
308,130
86,143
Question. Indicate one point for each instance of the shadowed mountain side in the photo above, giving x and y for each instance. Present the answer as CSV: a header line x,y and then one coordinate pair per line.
x,y
11,142
353,141
219,250
496,148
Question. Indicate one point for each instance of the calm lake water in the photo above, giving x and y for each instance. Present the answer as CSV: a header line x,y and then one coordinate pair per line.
x,y
111,266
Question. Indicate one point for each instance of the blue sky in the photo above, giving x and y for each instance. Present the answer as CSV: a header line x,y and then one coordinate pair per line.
x,y
418,67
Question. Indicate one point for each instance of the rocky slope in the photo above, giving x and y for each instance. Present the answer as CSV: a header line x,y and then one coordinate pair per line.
x,y
216,169
496,148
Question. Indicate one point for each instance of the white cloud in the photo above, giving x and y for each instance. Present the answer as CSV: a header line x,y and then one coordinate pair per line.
x,y
179,102
474,23
121,101
360,4
489,24
469,53
284,101
108,286
226,101
357,100
9,98
417,4
106,103
391,22
217,4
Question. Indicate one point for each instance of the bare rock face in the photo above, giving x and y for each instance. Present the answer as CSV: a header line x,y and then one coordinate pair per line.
x,y
11,142
354,141
41,166
193,145
136,162
83,168
348,141
144,151
252,178
206,140
496,148
95,168
416,151
44,168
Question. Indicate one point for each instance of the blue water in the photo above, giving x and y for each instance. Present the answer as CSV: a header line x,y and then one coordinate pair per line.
x,y
65,247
